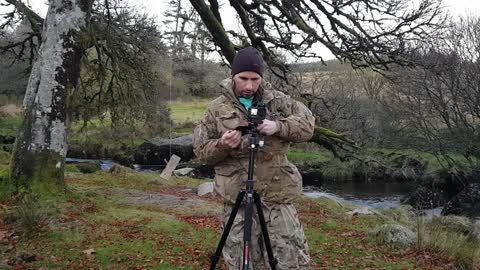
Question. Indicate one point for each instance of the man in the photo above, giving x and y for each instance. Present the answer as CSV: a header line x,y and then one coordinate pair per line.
x,y
276,180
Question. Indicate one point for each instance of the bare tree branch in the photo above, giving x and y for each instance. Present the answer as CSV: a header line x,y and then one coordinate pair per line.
x,y
362,32
36,22
216,29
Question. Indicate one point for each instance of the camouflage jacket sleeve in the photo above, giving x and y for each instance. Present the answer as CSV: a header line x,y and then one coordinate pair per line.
x,y
298,125
206,141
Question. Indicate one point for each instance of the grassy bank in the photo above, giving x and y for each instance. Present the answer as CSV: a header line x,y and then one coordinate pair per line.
x,y
139,221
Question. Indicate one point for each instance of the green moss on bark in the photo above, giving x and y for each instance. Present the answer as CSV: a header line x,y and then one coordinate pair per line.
x,y
41,172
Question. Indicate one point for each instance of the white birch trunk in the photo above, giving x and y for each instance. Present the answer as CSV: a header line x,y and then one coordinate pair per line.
x,y
41,144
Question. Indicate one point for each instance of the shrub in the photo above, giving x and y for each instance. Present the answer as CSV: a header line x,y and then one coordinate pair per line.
x,y
89,167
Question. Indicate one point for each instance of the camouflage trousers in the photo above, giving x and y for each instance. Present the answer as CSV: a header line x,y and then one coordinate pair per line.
x,y
286,236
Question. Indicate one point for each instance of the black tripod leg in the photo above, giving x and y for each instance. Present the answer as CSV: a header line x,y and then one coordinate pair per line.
x,y
247,231
216,257
268,245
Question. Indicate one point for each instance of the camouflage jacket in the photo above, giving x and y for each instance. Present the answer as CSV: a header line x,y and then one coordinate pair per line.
x,y
276,179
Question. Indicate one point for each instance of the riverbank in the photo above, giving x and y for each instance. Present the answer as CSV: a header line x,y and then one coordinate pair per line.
x,y
434,186
425,183
379,195
128,220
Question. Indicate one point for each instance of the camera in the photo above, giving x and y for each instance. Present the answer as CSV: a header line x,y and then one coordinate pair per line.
x,y
255,116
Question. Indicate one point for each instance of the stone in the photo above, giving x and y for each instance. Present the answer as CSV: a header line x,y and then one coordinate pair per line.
x,y
361,211
453,223
395,234
25,257
171,165
183,140
205,189
184,172
119,169
157,150
476,229
465,203
202,170
424,198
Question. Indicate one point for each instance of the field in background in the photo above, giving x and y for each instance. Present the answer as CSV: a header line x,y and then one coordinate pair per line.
x,y
187,111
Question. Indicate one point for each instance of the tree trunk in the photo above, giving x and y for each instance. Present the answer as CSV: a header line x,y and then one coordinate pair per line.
x,y
41,144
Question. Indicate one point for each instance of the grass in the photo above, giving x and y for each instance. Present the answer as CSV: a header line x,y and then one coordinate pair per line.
x,y
96,217
450,240
434,163
9,125
297,156
98,133
191,111
121,235
186,115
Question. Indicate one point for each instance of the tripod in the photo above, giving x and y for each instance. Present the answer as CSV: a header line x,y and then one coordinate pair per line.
x,y
252,197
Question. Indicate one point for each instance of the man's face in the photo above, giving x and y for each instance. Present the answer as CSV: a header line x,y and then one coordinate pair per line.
x,y
246,83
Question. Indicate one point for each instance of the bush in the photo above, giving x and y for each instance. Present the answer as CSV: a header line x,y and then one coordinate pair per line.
x,y
71,168
89,167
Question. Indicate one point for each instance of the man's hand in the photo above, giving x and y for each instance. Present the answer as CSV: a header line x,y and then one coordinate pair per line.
x,y
231,138
268,127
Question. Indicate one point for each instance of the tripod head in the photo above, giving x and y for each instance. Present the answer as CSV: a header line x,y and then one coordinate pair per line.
x,y
255,116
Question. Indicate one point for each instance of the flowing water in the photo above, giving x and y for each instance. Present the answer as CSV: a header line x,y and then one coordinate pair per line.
x,y
364,194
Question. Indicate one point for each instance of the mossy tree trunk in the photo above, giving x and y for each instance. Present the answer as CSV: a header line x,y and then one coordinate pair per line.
x,y
41,144
338,144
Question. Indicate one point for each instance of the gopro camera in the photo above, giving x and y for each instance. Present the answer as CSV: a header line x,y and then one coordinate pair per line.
x,y
256,114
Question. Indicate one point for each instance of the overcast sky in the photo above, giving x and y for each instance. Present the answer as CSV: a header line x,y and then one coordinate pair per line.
x,y
156,8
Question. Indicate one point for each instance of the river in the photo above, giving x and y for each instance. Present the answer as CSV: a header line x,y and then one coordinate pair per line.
x,y
364,194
